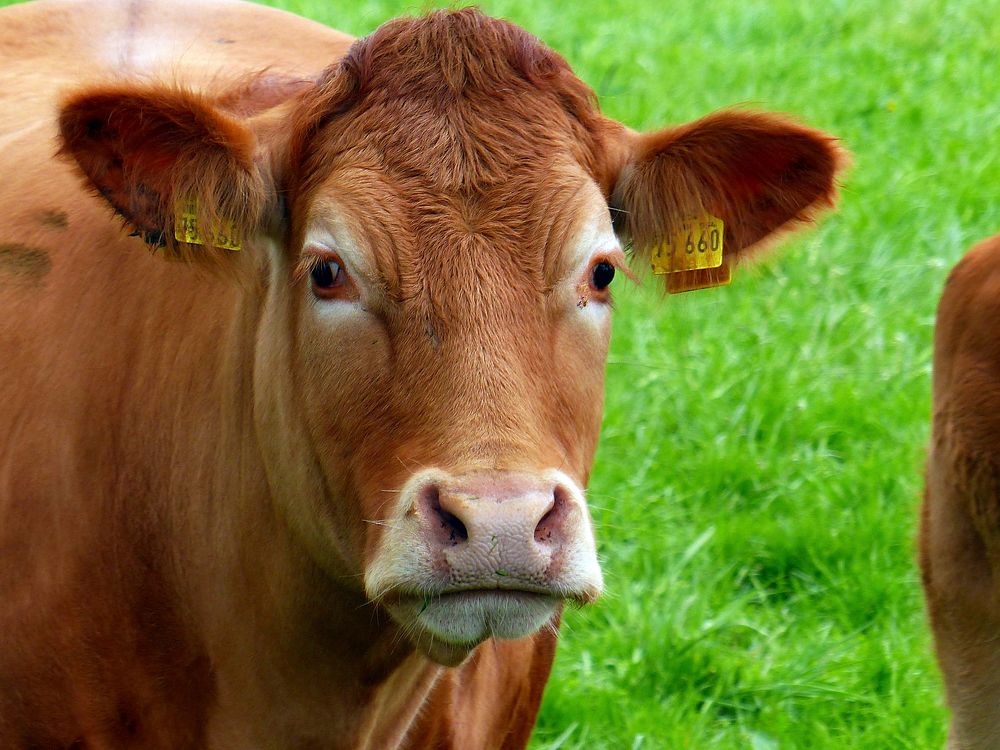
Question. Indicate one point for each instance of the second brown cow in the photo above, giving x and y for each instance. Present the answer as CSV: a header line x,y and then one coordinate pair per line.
x,y
960,530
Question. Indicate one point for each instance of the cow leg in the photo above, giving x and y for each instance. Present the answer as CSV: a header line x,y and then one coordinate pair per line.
x,y
960,574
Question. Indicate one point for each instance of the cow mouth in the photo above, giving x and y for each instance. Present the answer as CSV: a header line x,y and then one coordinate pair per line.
x,y
447,626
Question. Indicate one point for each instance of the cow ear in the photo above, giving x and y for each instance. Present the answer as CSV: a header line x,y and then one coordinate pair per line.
x,y
760,174
157,153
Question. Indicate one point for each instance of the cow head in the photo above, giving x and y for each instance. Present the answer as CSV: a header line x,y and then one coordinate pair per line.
x,y
431,229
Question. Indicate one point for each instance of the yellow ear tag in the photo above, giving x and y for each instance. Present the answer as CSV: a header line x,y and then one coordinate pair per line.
x,y
186,228
693,256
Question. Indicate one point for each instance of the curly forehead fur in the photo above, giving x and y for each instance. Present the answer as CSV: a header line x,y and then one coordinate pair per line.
x,y
458,97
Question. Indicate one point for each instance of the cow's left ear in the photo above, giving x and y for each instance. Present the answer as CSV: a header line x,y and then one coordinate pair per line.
x,y
158,152
760,174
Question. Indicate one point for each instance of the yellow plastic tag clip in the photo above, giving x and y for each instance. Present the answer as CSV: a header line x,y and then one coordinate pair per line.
x,y
186,228
693,256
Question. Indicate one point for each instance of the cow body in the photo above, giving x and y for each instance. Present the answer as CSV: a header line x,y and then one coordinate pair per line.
x,y
960,536
326,490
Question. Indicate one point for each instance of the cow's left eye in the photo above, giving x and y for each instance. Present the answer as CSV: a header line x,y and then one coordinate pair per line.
x,y
602,275
327,275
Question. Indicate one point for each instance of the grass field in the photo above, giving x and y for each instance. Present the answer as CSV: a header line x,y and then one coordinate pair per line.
x,y
757,484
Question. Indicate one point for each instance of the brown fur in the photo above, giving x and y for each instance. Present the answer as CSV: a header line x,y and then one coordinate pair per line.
x,y
960,521
482,97
195,472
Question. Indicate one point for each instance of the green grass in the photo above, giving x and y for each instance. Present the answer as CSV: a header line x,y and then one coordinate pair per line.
x,y
757,484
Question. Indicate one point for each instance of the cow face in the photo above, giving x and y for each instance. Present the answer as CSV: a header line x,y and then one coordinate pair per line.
x,y
434,286
471,401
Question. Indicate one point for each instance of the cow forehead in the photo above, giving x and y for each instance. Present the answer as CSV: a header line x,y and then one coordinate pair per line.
x,y
402,237
460,97
463,130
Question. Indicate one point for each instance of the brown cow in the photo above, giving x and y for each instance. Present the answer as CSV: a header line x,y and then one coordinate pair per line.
x,y
960,530
280,496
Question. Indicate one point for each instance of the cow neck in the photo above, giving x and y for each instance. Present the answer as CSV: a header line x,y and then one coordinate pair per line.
x,y
320,657
285,638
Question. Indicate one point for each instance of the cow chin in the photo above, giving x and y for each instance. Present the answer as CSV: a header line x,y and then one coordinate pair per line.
x,y
447,627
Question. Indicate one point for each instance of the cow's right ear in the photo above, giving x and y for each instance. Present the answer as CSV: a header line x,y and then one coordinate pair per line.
x,y
156,152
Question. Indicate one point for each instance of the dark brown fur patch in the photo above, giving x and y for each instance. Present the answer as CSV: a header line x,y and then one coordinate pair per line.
x,y
25,264
52,218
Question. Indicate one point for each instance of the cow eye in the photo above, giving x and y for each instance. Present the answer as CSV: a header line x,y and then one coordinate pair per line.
x,y
327,275
602,275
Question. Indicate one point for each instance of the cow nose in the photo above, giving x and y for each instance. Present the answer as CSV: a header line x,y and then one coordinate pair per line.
x,y
517,532
465,515
499,530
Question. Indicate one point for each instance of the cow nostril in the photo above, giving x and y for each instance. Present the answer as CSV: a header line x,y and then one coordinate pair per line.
x,y
455,528
549,528
448,526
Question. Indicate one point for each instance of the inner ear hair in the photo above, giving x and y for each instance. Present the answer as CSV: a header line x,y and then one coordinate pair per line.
x,y
146,148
